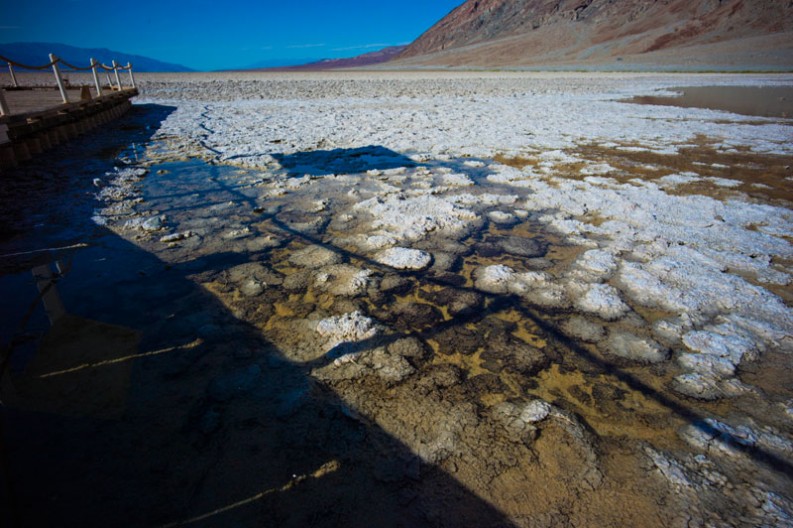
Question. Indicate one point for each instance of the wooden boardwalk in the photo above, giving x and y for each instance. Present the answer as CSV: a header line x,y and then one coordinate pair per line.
x,y
26,101
41,125
34,119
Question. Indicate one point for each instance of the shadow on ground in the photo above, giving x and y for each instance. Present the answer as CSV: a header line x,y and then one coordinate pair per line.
x,y
342,161
149,404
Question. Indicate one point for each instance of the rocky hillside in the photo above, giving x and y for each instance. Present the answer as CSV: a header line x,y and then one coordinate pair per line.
x,y
359,61
535,32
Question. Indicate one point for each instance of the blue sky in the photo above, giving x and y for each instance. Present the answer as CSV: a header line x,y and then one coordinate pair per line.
x,y
216,34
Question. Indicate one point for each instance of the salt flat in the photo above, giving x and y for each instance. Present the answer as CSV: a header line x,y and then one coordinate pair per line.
x,y
575,308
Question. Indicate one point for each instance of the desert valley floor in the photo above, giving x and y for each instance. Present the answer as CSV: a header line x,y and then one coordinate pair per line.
x,y
405,299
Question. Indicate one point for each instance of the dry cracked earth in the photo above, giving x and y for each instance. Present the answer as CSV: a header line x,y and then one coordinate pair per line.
x,y
406,300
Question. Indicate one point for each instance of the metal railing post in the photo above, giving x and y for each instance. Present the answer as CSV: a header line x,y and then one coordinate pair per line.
x,y
131,78
3,104
58,79
118,79
13,75
96,78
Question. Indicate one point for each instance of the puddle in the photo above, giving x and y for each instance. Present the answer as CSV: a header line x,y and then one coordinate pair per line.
x,y
761,101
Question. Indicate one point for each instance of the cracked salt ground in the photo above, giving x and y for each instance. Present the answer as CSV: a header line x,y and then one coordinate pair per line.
x,y
570,342
340,293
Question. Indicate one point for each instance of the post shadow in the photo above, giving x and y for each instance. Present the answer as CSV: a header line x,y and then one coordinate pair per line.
x,y
205,423
342,161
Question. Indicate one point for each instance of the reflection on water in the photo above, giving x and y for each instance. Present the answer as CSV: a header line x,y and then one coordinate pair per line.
x,y
762,101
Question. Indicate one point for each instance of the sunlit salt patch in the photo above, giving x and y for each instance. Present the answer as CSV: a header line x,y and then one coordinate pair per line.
x,y
602,300
673,180
404,258
584,329
412,218
474,163
510,176
594,264
757,264
597,169
175,237
707,365
557,156
715,436
723,341
456,180
350,327
632,347
724,182
483,199
502,218
368,242
494,279
670,331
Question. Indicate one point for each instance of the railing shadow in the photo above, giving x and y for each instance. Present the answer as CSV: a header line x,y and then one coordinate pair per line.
x,y
343,161
196,419
498,303
534,314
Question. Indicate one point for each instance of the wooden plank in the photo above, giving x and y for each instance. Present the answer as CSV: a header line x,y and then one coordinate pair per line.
x,y
31,133
26,101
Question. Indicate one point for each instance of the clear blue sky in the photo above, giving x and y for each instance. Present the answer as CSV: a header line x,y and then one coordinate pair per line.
x,y
216,34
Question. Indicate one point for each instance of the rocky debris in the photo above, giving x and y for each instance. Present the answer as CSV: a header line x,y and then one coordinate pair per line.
x,y
404,258
175,237
150,224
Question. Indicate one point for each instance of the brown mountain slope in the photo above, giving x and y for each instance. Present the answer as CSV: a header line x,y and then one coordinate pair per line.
x,y
359,61
535,32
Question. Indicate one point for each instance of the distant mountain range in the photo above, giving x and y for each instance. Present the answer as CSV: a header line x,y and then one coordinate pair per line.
x,y
668,34
37,53
359,61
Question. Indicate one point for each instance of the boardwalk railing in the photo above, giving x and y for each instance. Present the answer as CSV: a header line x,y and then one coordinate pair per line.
x,y
54,64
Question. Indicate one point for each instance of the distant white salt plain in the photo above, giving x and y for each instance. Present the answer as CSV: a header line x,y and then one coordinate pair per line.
x,y
706,265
